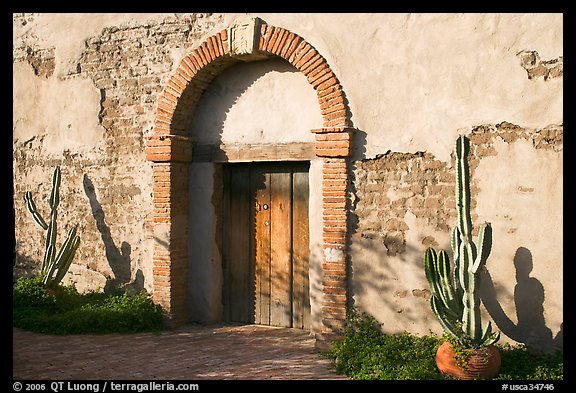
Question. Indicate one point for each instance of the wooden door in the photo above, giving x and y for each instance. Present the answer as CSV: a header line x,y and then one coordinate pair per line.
x,y
266,244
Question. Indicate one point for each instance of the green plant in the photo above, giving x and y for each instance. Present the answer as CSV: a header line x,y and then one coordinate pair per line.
x,y
520,363
365,352
68,312
455,299
55,264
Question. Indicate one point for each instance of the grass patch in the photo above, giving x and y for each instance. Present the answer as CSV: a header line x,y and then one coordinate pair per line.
x,y
65,311
365,353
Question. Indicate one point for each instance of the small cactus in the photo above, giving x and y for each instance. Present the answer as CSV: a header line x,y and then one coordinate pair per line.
x,y
455,299
55,264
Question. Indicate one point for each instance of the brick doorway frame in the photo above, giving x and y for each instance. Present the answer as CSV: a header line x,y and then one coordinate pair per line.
x,y
170,150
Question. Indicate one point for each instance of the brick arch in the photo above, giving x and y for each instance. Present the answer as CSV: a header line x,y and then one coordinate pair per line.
x,y
170,149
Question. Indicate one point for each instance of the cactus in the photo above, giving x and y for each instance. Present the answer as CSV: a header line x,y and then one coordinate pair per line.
x,y
455,299
55,264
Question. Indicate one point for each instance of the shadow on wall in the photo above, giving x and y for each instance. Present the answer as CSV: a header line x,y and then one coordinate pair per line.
x,y
223,93
24,266
118,258
531,327
529,292
378,276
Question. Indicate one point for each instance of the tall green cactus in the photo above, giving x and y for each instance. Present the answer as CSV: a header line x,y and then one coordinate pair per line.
x,y
455,299
55,264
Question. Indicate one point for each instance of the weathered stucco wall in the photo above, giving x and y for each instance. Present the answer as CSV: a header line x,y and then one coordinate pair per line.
x,y
85,91
85,95
405,202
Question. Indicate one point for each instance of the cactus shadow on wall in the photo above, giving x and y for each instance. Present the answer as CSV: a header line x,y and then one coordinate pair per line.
x,y
118,257
531,328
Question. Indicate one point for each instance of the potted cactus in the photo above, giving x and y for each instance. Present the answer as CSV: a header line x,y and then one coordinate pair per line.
x,y
468,351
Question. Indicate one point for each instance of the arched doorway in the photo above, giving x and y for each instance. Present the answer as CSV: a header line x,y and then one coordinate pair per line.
x,y
170,148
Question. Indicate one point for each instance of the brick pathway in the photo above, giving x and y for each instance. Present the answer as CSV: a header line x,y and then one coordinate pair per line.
x,y
251,352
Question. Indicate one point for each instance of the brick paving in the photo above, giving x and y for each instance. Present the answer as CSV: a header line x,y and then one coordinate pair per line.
x,y
248,352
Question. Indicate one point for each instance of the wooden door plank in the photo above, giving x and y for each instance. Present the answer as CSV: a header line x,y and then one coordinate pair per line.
x,y
266,251
259,184
226,290
281,258
239,250
301,249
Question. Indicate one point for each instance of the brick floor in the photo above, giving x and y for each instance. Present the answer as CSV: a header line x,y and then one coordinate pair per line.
x,y
249,352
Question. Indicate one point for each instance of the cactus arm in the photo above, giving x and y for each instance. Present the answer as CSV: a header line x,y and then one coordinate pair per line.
x,y
50,241
446,283
455,242
471,300
488,337
52,230
437,270
456,272
466,283
463,186
48,257
430,258
31,206
66,256
462,267
485,246
448,322
444,303
63,255
67,243
55,194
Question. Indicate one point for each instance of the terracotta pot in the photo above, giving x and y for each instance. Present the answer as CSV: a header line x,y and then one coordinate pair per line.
x,y
483,363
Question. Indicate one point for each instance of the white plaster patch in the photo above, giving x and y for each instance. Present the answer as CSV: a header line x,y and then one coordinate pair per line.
x,y
67,111
333,255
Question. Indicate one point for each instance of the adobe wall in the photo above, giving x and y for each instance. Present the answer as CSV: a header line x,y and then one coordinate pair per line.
x,y
86,89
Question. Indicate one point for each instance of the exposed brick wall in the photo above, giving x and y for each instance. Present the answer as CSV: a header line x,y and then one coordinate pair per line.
x,y
128,65
170,142
42,60
170,269
392,183
538,68
389,185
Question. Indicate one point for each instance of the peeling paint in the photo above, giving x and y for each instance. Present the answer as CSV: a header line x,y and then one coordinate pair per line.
x,y
42,60
538,68
401,293
389,185
423,293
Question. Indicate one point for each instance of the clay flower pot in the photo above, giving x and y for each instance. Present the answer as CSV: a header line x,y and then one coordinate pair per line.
x,y
483,363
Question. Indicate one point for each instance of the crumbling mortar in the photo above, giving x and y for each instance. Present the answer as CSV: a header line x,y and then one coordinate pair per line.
x,y
132,63
42,60
537,68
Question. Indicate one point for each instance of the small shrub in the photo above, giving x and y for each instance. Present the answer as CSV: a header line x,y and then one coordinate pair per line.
x,y
519,363
365,352
63,310
30,292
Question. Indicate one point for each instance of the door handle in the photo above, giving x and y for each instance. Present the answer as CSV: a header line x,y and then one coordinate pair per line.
x,y
265,206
